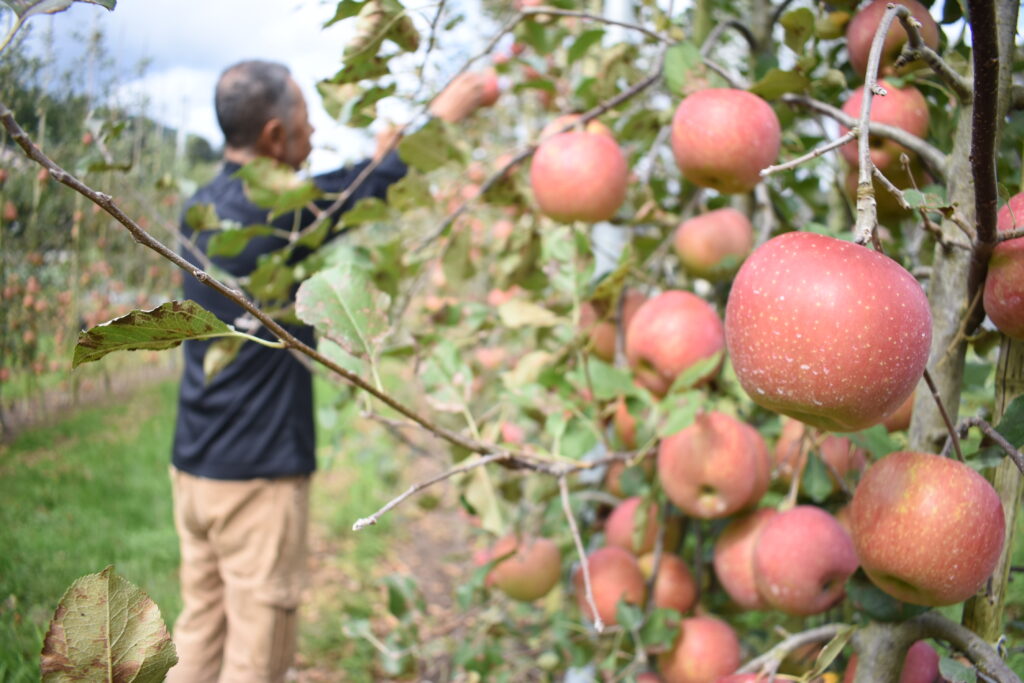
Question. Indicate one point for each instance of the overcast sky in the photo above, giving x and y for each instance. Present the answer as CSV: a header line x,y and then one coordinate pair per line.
x,y
189,42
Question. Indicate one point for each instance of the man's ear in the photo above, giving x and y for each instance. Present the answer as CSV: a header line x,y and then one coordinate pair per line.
x,y
272,139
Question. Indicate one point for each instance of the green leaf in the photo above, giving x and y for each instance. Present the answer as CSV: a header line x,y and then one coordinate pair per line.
x,y
608,381
364,68
202,217
832,650
163,327
345,10
276,186
957,672
629,616
875,440
28,8
817,482
584,42
342,303
233,242
778,82
680,412
456,263
693,374
429,148
411,192
219,355
351,104
661,629
1011,424
799,26
447,378
479,493
682,61
578,439
366,210
106,628
519,313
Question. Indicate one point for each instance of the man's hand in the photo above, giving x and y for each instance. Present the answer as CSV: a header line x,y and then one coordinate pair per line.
x,y
460,99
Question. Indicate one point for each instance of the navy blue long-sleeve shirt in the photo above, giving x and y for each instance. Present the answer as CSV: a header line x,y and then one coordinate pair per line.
x,y
255,418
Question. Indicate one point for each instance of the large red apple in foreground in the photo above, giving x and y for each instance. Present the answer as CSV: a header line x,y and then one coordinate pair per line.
x,y
614,575
901,107
928,530
714,244
530,572
722,138
1004,288
826,331
579,176
802,559
862,28
706,649
669,334
711,469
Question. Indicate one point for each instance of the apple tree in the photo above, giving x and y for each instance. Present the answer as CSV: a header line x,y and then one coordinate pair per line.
x,y
698,307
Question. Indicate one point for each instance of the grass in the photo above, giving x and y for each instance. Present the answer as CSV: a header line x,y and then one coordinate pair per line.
x,y
92,490
87,492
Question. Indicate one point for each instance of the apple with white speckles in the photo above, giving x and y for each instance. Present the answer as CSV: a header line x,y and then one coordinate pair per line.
x,y
802,559
1004,287
669,334
928,530
831,333
713,468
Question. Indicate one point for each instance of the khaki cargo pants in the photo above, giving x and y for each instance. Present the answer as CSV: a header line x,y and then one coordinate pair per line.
x,y
243,568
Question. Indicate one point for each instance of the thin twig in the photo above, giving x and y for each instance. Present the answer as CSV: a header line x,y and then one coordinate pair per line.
x,y
933,159
419,486
916,48
563,490
945,415
1010,234
778,653
813,154
896,192
990,431
532,11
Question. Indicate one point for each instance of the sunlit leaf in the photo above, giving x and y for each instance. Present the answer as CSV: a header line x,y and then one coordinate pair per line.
x,y
778,82
219,355
276,186
607,380
831,650
428,148
519,313
163,327
342,303
345,9
202,217
799,26
682,62
106,628
28,8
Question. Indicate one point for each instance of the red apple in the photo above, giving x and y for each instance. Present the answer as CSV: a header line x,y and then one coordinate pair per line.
x,y
928,530
491,89
828,332
734,558
602,327
625,424
1004,287
10,212
622,527
670,333
614,575
579,176
710,469
921,665
744,678
674,588
531,572
722,138
902,107
707,648
862,28
802,559
900,420
560,122
713,245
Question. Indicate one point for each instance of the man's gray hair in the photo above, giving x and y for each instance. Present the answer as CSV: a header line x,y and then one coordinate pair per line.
x,y
248,95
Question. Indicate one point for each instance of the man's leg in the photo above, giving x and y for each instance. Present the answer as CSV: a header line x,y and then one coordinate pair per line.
x,y
199,632
262,547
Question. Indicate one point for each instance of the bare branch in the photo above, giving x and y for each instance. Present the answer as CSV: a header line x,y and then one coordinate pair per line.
x,y
916,49
990,431
945,414
419,486
932,158
813,154
896,192
563,489
533,11
1010,235
770,660
718,30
